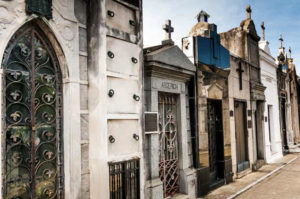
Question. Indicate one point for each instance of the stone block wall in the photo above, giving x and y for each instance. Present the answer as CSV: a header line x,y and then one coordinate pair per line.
x,y
80,10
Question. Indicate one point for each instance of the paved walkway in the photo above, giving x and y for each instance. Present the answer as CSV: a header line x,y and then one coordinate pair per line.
x,y
284,184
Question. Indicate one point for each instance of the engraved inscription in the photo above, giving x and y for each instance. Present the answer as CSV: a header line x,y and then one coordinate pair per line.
x,y
168,85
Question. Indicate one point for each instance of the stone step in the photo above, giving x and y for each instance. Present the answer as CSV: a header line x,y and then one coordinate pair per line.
x,y
294,148
179,196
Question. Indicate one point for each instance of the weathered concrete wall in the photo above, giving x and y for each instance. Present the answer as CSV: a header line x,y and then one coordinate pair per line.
x,y
80,9
294,99
244,95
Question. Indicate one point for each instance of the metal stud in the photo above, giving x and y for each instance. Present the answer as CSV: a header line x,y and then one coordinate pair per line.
x,y
132,23
110,54
111,93
134,60
111,139
136,137
136,97
110,13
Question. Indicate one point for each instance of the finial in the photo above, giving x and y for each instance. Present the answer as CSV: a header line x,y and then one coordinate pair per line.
x,y
249,11
203,16
169,29
263,30
290,52
281,41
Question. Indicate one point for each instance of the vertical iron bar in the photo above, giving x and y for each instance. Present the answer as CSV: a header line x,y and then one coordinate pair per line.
x,y
32,115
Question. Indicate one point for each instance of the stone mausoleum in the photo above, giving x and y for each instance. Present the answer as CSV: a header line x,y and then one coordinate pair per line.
x,y
71,99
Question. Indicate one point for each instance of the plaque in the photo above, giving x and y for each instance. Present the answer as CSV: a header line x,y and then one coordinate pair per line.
x,y
151,122
249,124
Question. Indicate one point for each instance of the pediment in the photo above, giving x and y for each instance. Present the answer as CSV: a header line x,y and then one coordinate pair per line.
x,y
215,91
171,56
249,26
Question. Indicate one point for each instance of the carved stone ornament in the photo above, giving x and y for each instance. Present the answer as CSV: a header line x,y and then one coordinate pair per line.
x,y
39,7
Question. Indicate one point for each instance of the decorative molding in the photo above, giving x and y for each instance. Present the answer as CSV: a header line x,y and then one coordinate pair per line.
x,y
67,30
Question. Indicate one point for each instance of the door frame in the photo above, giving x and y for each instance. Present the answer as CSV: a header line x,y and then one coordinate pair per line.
x,y
222,146
245,131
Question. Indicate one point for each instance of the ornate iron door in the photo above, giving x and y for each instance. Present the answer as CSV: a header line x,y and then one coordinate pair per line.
x,y
168,167
32,123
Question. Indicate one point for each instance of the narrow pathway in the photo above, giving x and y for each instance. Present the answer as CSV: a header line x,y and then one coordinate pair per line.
x,y
293,169
285,184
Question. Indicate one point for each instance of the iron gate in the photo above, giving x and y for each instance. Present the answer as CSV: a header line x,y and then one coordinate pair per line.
x,y
168,167
33,117
124,181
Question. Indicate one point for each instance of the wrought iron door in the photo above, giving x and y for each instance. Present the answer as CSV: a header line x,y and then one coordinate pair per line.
x,y
32,123
168,167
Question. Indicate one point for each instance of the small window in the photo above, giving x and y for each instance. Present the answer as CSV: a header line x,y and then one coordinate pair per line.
x,y
124,180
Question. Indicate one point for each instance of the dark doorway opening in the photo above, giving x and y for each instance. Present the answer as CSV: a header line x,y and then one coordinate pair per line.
x,y
259,130
216,143
283,124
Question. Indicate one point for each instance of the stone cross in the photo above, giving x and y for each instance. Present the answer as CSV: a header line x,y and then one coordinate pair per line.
x,y
203,16
249,11
240,71
169,29
281,41
263,30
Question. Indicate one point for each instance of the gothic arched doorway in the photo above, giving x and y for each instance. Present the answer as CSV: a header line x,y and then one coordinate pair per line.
x,y
32,117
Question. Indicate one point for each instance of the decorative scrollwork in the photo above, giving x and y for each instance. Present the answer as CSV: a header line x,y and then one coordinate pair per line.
x,y
32,105
17,75
16,116
48,117
169,171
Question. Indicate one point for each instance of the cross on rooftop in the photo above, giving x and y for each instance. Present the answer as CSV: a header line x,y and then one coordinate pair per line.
x,y
169,29
263,30
249,11
281,41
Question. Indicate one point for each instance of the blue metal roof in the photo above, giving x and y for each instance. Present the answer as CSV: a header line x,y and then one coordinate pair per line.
x,y
211,52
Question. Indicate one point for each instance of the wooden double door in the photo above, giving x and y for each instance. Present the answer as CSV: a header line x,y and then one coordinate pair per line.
x,y
241,134
215,140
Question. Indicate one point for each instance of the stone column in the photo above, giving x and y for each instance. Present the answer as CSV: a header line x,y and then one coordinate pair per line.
x,y
227,136
203,173
154,186
98,155
187,185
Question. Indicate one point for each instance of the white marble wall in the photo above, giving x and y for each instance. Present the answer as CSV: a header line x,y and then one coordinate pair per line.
x,y
273,148
62,31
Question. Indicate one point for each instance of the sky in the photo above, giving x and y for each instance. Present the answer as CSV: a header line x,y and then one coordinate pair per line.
x,y
279,16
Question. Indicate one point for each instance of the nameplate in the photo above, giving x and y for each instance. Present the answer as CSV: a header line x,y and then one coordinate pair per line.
x,y
168,85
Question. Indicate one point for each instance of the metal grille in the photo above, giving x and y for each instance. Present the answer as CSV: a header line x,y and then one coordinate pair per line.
x,y
33,117
168,166
124,180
